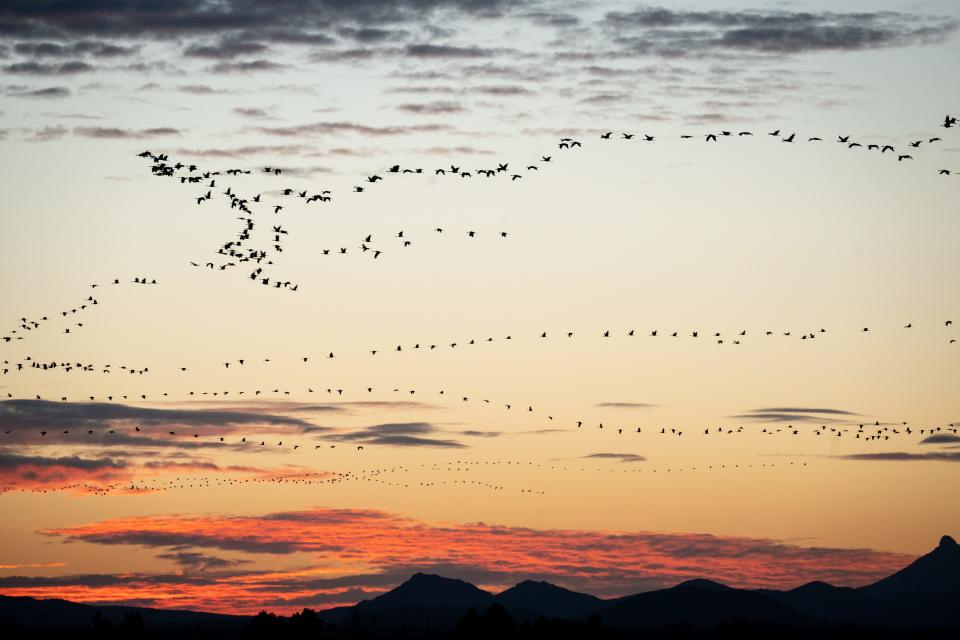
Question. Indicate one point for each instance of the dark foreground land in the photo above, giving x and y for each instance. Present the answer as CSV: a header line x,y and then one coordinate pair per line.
x,y
921,601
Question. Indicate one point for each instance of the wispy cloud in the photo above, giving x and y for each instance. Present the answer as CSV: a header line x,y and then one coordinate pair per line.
x,y
374,550
401,434
796,414
619,457
901,456
625,405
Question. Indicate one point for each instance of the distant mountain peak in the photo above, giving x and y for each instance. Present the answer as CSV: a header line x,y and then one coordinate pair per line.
x,y
937,571
702,583
428,589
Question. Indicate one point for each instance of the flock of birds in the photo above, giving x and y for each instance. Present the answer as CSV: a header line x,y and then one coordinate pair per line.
x,y
31,324
381,476
29,363
243,249
865,431
239,250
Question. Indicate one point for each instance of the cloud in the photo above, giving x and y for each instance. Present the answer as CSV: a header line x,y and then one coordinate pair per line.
x,y
226,48
82,475
459,150
941,438
48,133
287,21
195,562
677,33
619,457
340,128
432,108
97,49
247,66
42,414
501,91
372,550
795,414
900,456
400,434
369,35
626,405
248,151
201,89
44,92
48,69
552,18
115,133
251,112
446,51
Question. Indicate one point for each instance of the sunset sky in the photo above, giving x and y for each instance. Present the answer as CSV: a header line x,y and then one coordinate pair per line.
x,y
172,501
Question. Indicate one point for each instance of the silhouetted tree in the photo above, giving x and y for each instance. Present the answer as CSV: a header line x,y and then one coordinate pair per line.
x,y
306,624
469,624
266,625
132,625
101,626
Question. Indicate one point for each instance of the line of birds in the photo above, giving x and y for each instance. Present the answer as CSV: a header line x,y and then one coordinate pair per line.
x,y
25,324
869,432
158,484
235,252
736,338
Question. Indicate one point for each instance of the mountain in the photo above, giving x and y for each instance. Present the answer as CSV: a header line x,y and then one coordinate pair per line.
x,y
698,603
927,589
424,602
31,613
548,600
936,572
826,604
428,589
923,595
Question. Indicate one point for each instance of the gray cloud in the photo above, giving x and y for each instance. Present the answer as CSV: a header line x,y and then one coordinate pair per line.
x,y
48,69
200,89
340,128
196,562
249,151
96,49
114,133
446,51
43,92
251,112
666,32
371,35
432,108
626,405
43,414
48,133
246,66
13,461
619,457
795,414
941,438
288,21
226,48
940,456
400,434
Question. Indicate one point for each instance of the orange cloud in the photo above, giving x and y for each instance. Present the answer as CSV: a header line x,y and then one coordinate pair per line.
x,y
366,551
84,475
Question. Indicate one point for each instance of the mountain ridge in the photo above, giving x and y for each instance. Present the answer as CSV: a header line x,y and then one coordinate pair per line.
x,y
922,595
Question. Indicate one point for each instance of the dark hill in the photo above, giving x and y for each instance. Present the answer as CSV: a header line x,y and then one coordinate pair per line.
x,y
548,600
33,613
699,605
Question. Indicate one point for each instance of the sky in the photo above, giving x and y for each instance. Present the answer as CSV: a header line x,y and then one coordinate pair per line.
x,y
133,470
